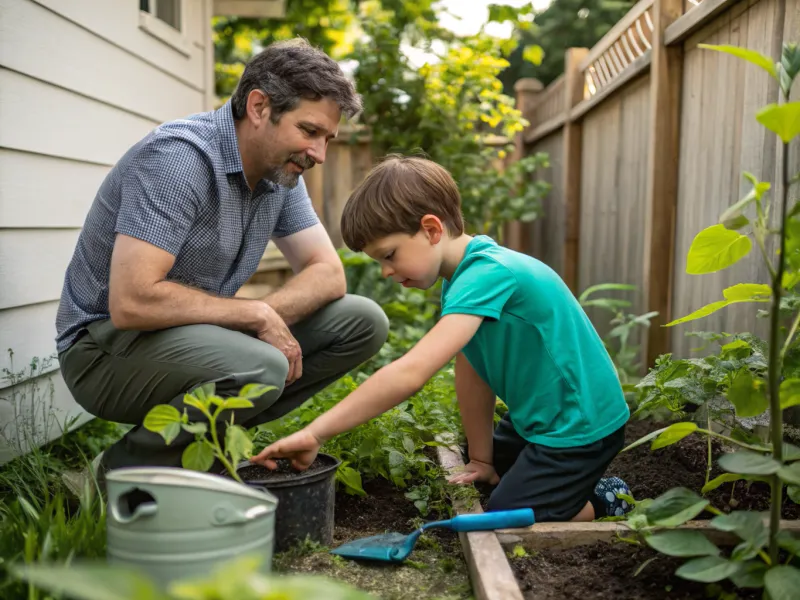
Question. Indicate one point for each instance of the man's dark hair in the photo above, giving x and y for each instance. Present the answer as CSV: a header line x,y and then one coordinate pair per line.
x,y
289,71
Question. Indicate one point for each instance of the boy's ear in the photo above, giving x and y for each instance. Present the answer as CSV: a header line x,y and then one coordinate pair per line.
x,y
433,228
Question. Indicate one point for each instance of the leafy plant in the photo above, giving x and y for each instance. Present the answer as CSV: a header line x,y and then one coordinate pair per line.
x,y
165,420
718,247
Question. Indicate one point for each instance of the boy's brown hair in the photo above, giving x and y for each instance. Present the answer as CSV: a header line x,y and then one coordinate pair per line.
x,y
394,197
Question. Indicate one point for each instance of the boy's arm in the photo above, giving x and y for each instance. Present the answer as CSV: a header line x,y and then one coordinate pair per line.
x,y
384,390
476,402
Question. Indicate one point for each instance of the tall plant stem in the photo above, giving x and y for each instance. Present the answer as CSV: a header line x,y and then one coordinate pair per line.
x,y
775,355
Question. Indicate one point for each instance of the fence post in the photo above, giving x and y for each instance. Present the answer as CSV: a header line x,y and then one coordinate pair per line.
x,y
526,90
571,183
662,176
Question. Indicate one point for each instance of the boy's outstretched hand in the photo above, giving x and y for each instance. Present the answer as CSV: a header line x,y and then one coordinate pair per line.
x,y
476,471
300,447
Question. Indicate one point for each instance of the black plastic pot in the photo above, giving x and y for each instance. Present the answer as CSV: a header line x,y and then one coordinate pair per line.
x,y
305,503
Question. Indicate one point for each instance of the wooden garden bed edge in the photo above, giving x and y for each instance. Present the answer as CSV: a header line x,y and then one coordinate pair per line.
x,y
489,571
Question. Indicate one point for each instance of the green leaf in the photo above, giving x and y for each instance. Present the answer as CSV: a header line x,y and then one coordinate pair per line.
x,y
727,478
351,479
160,416
395,458
682,543
793,491
741,292
790,452
672,434
237,443
192,401
782,582
235,403
196,428
790,66
789,542
203,392
732,217
749,526
170,432
751,575
675,507
790,473
746,396
783,120
749,463
790,392
88,581
749,55
708,569
198,456
735,222
533,54
255,390
408,444
716,248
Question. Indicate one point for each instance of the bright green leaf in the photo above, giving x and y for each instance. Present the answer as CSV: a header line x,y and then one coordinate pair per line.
x,y
88,581
675,507
732,217
790,392
159,417
195,402
716,248
196,428
700,312
783,120
741,292
351,479
749,55
674,433
727,478
749,463
644,439
198,456
748,398
682,543
255,390
237,443
790,473
204,391
533,54
708,569
236,403
782,582
216,400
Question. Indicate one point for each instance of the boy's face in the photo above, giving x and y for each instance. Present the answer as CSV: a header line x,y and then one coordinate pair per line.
x,y
412,261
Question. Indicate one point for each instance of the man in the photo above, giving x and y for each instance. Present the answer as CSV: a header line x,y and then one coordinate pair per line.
x,y
147,311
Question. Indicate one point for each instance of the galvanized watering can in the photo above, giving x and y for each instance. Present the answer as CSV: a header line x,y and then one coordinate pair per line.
x,y
174,524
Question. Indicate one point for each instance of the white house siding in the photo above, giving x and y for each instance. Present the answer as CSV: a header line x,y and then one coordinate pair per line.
x,y
80,82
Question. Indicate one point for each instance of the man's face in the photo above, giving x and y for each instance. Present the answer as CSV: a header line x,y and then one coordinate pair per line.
x,y
298,141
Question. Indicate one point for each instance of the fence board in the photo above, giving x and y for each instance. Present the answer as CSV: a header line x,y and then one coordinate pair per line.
x,y
720,140
613,192
547,233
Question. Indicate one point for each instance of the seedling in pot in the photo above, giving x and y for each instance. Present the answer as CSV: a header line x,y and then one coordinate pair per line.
x,y
165,420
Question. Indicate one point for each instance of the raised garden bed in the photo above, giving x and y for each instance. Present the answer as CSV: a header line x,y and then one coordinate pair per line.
x,y
590,560
436,569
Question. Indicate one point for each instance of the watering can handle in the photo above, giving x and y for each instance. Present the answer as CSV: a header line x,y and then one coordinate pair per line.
x,y
226,514
147,509
500,519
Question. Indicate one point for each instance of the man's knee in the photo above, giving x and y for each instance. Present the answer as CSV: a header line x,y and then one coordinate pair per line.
x,y
370,326
271,370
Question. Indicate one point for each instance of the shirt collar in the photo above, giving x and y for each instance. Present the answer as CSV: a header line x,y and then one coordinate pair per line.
x,y
223,118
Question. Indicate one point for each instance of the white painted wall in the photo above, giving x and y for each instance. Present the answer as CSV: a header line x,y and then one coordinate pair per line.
x,y
80,82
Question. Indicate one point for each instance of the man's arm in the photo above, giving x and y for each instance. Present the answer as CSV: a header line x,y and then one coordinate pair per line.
x,y
319,275
476,402
140,298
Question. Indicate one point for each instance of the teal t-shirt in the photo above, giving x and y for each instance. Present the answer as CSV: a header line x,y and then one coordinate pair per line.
x,y
536,348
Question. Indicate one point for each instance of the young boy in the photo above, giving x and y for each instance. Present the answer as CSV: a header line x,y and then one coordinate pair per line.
x,y
517,333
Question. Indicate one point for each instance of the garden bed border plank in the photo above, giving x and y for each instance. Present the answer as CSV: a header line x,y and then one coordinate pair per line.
x,y
489,571
560,536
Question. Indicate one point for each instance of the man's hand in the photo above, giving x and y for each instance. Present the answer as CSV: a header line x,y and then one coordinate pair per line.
x,y
300,447
274,331
476,471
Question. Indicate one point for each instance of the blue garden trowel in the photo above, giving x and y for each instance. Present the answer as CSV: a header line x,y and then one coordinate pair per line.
x,y
395,547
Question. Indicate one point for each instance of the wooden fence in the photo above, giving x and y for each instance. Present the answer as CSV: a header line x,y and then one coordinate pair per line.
x,y
648,136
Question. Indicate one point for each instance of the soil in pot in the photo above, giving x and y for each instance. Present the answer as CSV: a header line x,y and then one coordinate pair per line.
x,y
436,569
601,571
305,499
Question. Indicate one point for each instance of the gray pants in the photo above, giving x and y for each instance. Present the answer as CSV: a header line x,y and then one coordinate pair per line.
x,y
120,375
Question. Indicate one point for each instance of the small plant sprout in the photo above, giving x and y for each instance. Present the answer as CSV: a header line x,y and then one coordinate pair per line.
x,y
165,420
753,387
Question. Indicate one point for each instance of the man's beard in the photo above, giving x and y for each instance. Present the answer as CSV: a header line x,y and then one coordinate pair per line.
x,y
289,179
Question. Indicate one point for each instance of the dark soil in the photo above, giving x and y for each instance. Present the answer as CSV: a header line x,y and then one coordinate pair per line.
x,y
651,473
601,571
284,472
435,569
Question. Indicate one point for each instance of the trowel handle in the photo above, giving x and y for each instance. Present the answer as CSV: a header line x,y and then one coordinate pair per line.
x,y
499,519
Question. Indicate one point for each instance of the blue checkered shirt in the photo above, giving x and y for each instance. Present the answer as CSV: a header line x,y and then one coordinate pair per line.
x,y
181,188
